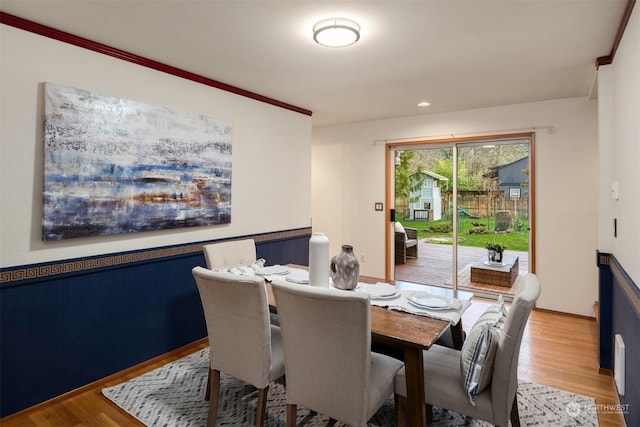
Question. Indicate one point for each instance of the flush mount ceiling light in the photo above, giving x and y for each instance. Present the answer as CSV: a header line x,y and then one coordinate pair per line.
x,y
336,32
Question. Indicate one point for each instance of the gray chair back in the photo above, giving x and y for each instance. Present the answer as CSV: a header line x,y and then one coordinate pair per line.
x,y
232,253
504,382
326,335
236,311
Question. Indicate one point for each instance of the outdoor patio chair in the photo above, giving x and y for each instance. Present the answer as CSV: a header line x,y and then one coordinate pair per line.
x,y
406,243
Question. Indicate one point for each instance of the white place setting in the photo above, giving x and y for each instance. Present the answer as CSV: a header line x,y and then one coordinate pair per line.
x,y
379,291
273,270
415,302
386,295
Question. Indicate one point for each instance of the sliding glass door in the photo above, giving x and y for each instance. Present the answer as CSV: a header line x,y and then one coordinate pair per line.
x,y
459,198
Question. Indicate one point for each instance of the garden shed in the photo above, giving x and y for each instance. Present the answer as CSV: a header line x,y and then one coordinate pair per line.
x,y
426,202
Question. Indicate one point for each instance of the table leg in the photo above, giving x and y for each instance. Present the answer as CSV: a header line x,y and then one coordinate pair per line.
x,y
457,335
415,386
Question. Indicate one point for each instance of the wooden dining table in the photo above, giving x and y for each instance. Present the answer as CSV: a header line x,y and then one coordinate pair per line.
x,y
411,334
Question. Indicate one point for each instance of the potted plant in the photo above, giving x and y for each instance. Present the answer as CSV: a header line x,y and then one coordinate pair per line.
x,y
495,251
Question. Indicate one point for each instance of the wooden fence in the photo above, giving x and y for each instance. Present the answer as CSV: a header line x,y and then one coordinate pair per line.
x,y
475,204
484,205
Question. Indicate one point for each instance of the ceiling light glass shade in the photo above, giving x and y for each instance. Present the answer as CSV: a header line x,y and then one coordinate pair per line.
x,y
336,32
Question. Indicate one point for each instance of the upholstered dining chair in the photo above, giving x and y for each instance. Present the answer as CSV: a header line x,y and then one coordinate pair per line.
x,y
329,365
232,253
443,374
242,342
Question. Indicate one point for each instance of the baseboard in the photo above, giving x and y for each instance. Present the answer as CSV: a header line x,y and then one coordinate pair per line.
x,y
605,371
562,313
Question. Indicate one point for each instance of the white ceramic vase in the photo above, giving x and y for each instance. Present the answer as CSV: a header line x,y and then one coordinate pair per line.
x,y
319,260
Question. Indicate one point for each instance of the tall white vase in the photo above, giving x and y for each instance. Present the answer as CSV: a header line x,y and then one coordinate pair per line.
x,y
319,260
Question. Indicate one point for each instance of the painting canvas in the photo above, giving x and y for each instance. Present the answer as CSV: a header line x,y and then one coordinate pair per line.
x,y
117,166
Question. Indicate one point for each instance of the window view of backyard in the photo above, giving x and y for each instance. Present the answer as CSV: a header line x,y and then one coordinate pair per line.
x,y
492,206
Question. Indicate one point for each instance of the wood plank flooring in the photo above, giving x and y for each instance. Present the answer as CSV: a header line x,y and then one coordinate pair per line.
x,y
557,350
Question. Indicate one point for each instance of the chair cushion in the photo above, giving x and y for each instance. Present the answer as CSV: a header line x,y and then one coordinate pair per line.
x,y
479,350
495,314
409,243
442,384
399,228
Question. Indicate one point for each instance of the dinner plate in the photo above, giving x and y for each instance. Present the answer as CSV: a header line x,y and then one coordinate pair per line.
x,y
381,290
425,300
273,270
422,307
392,296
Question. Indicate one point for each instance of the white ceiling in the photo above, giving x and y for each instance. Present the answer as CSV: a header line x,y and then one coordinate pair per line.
x,y
455,54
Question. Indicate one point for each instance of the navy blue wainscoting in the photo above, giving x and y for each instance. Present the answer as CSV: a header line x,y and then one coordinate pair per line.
x,y
626,322
66,324
619,313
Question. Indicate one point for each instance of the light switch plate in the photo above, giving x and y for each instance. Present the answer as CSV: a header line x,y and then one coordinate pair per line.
x,y
615,191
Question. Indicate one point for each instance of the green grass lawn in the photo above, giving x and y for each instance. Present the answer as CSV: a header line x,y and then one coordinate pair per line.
x,y
518,240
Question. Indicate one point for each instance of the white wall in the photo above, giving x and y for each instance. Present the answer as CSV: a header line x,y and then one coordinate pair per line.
x,y
348,178
269,193
619,122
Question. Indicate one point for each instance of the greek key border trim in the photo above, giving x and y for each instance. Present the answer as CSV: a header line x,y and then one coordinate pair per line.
x,y
73,266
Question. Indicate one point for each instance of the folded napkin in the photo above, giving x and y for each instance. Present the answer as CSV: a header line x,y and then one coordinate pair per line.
x,y
298,275
452,313
273,270
243,270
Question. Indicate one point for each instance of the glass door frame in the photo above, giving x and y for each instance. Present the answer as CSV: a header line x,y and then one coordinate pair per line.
x,y
390,150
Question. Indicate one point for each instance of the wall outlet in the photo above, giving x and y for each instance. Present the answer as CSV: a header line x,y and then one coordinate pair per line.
x,y
363,257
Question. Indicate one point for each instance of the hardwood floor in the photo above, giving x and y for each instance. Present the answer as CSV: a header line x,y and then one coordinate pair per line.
x,y
557,350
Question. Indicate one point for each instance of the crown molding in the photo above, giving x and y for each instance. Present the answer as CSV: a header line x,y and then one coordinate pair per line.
x,y
608,59
43,30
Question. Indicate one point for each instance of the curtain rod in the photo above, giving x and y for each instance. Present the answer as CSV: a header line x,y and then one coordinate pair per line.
x,y
551,130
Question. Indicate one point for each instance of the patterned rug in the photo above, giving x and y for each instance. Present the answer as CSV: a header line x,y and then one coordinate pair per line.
x,y
173,395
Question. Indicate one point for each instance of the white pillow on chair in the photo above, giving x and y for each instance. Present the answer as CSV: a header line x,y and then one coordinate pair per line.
x,y
479,350
400,229
243,270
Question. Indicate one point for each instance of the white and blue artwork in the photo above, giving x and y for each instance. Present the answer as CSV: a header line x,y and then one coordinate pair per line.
x,y
117,166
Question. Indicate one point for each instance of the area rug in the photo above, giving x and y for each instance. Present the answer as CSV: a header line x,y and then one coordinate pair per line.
x,y
173,395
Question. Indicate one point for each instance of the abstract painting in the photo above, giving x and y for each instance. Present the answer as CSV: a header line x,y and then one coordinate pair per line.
x,y
117,166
